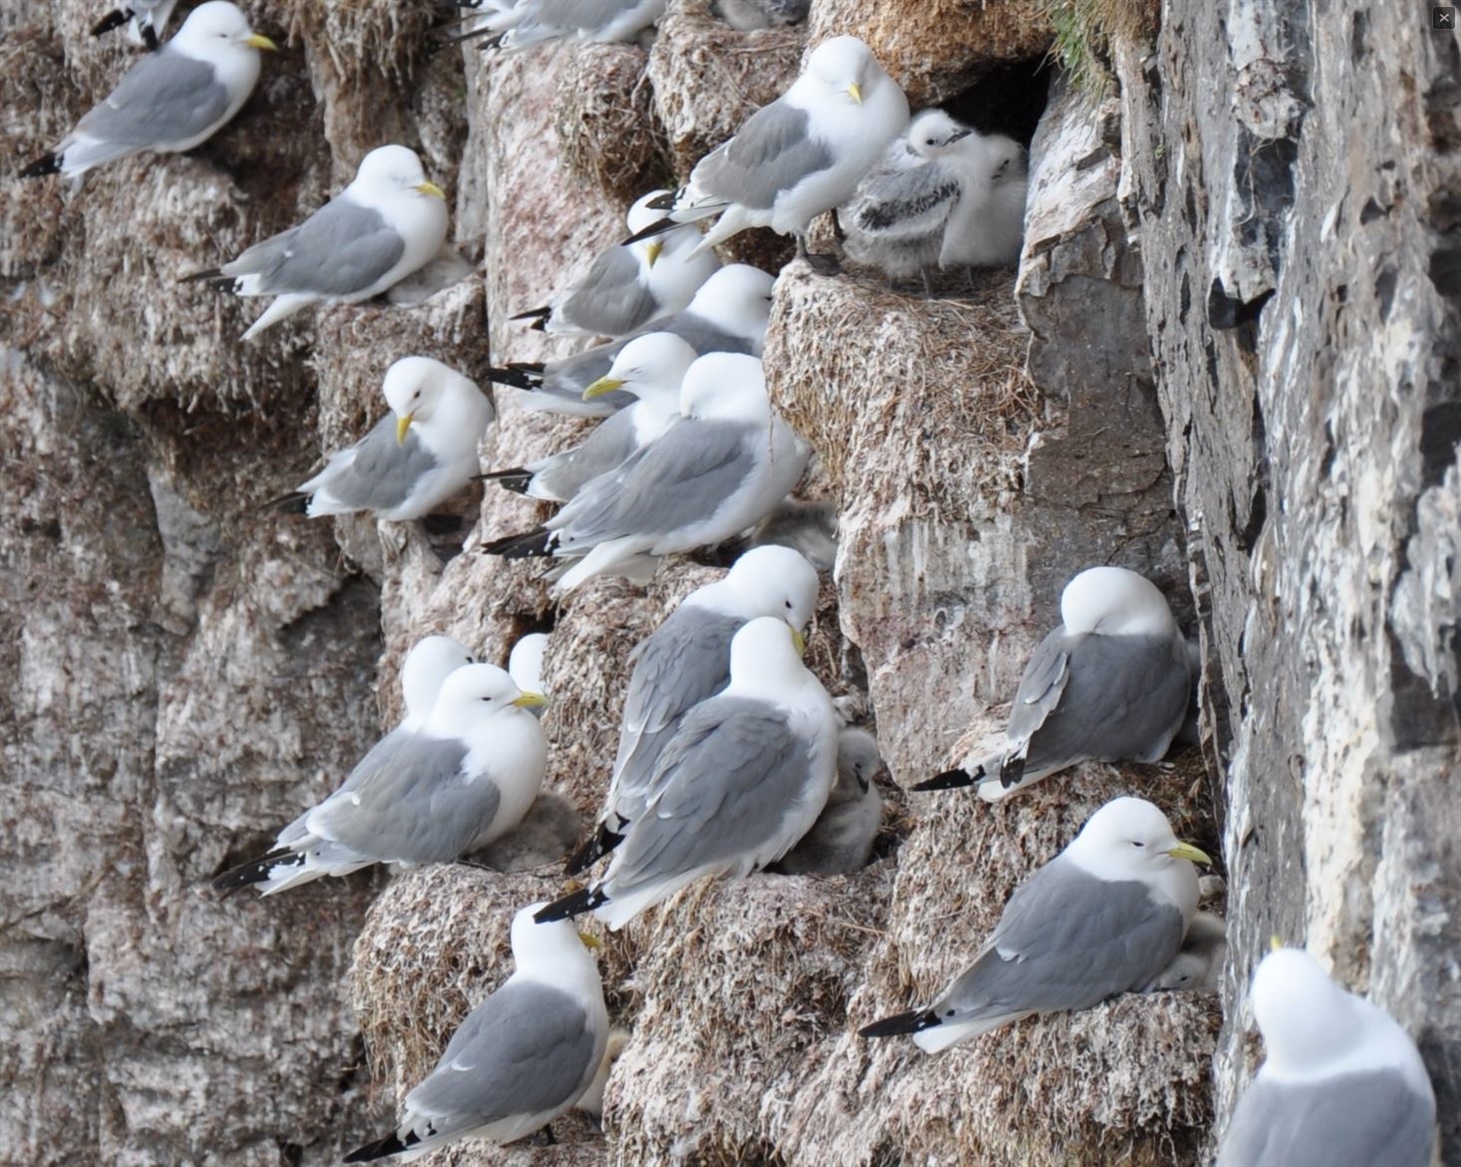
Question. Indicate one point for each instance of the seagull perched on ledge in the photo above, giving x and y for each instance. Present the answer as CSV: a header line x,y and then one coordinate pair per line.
x,y
169,101
799,156
386,225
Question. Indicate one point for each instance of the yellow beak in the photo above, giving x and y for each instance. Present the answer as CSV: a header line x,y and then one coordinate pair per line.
x,y
430,188
257,40
854,91
529,701
402,425
1188,851
1274,944
653,248
592,943
601,386
799,640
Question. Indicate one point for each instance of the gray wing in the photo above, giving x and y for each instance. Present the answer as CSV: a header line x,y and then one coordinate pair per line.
x,y
383,472
526,1049
1366,1119
680,478
701,335
165,97
411,804
771,153
685,661
1067,940
1096,696
907,203
342,249
610,299
567,377
605,449
721,790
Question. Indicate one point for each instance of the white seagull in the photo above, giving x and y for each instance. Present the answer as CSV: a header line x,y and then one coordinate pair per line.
x,y
1343,1085
462,780
651,367
685,661
630,285
413,459
146,21
521,1058
170,100
1110,684
801,155
1101,918
744,778
723,465
386,225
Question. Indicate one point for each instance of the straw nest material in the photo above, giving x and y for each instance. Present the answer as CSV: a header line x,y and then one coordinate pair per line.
x,y
935,48
865,374
608,132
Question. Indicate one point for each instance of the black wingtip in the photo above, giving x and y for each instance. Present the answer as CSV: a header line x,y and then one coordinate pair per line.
x,y
527,545
912,1022
255,871
519,376
539,317
1011,770
45,164
950,780
666,201
293,503
658,227
575,904
517,480
211,273
390,1145
112,20
599,844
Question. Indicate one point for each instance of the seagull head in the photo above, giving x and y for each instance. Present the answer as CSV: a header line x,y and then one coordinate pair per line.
x,y
1306,1019
392,171
841,65
932,132
773,581
525,662
858,758
425,669
765,651
475,691
215,24
737,299
424,392
1130,839
1006,159
1113,601
651,367
725,387
554,953
640,216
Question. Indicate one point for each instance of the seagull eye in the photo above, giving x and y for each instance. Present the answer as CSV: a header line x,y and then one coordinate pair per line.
x,y
788,605
1137,843
489,702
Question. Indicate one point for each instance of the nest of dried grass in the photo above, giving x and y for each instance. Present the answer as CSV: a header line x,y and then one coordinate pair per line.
x,y
608,132
935,48
865,373
719,1056
385,38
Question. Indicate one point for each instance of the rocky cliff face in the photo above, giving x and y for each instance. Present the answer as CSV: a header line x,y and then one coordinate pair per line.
x,y
1228,360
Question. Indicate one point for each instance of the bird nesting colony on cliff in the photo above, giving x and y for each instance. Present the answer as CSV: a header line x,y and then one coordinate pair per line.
x,y
712,586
